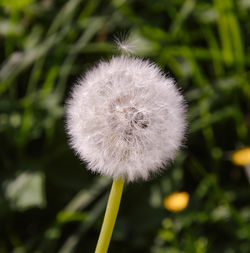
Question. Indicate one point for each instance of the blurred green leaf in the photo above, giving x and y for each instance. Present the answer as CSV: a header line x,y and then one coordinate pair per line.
x,y
15,4
26,191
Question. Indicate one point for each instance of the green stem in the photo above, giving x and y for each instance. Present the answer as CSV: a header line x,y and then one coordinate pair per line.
x,y
110,216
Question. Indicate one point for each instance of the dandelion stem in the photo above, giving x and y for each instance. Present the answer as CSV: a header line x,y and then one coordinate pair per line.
x,y
110,216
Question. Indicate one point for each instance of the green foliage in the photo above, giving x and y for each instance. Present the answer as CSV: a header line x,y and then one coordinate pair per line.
x,y
49,202
26,191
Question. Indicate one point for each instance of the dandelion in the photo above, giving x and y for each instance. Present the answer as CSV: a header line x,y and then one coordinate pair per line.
x,y
126,120
176,201
242,157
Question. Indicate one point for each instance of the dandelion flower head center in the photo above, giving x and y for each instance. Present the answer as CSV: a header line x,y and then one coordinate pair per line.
x,y
125,118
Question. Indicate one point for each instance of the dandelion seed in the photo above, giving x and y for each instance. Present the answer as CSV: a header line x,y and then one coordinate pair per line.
x,y
126,45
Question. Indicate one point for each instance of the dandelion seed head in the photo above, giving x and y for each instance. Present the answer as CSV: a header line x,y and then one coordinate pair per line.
x,y
125,118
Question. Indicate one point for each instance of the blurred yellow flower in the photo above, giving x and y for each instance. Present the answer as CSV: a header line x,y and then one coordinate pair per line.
x,y
176,201
241,157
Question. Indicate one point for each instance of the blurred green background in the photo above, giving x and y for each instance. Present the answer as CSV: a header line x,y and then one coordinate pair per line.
x,y
48,201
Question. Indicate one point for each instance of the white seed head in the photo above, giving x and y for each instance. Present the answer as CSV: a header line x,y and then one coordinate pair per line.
x,y
125,118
